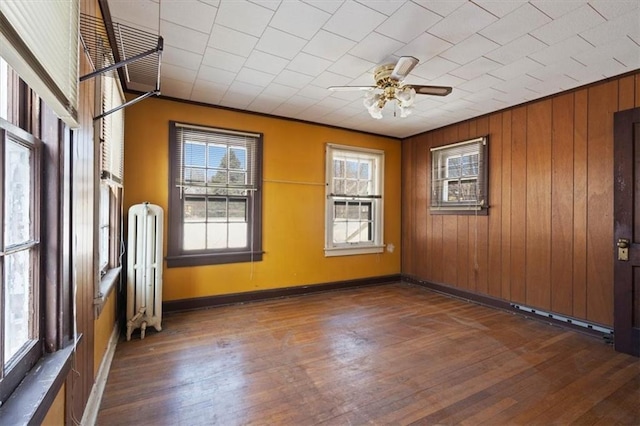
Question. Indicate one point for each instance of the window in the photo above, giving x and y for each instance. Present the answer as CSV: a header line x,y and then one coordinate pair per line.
x,y
111,137
215,199
459,177
19,253
354,201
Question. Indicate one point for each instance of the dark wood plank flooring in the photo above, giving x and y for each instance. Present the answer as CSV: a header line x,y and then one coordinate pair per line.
x,y
393,354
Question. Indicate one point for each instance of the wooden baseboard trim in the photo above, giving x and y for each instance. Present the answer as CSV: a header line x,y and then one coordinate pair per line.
x,y
276,293
93,404
499,304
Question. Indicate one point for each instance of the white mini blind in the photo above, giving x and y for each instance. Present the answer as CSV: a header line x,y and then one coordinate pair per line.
x,y
112,131
215,158
39,40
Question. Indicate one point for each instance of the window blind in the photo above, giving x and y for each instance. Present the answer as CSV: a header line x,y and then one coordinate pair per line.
x,y
112,131
39,40
215,158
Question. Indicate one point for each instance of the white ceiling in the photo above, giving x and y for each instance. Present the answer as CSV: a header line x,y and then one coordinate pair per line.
x,y
279,56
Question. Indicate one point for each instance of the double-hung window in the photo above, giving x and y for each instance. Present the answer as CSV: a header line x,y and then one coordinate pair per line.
x,y
215,199
459,176
354,200
19,251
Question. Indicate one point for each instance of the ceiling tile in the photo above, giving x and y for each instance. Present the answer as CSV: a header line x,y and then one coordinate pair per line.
x,y
244,16
462,23
176,56
327,5
183,37
568,25
279,90
176,88
384,6
333,103
314,92
514,69
499,8
308,64
280,43
265,62
141,13
208,92
555,8
265,104
299,19
328,78
408,22
559,51
470,49
177,73
354,21
515,50
224,60
480,83
189,13
214,3
375,48
329,46
424,47
242,88
475,68
553,85
624,51
434,68
448,80
613,8
293,79
516,24
515,84
351,66
232,41
269,4
216,75
255,77
441,7
609,31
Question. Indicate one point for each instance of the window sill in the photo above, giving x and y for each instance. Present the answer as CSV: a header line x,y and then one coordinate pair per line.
x,y
107,284
30,402
349,251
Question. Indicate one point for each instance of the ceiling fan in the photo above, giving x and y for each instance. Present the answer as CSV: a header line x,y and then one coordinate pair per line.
x,y
389,80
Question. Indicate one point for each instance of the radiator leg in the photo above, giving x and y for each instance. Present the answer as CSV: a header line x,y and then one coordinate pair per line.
x,y
143,328
129,330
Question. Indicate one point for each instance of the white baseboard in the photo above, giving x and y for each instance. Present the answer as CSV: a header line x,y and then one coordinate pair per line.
x,y
93,404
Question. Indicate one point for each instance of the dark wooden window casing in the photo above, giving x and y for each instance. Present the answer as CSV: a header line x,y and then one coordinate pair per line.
x,y
177,256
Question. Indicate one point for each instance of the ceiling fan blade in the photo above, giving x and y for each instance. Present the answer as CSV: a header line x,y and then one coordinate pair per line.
x,y
432,90
350,88
403,67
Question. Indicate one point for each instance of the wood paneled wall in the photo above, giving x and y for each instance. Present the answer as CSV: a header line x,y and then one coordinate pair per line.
x,y
547,241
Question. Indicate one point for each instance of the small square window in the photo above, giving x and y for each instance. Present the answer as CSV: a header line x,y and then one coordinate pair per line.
x,y
459,177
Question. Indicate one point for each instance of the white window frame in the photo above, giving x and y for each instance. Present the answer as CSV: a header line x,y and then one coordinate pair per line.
x,y
441,177
374,196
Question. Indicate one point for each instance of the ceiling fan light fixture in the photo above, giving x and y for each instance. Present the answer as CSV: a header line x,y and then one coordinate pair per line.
x,y
375,111
405,111
406,95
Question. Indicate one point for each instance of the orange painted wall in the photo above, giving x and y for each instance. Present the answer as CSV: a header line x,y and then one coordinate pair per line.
x,y
103,327
293,199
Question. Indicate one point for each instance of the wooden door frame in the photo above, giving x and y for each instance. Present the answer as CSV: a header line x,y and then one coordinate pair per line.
x,y
627,339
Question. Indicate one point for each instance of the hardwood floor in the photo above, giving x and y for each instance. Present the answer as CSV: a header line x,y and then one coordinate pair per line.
x,y
392,354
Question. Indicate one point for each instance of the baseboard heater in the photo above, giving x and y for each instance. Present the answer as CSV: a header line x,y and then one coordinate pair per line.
x,y
572,321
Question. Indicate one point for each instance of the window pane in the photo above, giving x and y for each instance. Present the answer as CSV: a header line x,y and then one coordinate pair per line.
x,y
352,169
216,210
194,154
18,298
216,155
351,187
217,176
237,211
237,178
217,235
238,158
194,210
340,211
453,167
338,168
194,236
192,175
338,186
17,226
353,211
365,170
237,235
